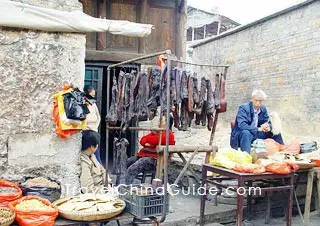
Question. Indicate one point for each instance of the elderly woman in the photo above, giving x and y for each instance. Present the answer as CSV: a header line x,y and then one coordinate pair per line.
x,y
146,158
252,122
93,174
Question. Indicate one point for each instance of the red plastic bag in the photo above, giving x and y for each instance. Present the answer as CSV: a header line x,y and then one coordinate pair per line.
x,y
272,147
34,218
6,198
282,167
250,168
292,148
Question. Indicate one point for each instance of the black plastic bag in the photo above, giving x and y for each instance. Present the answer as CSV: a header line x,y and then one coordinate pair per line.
x,y
75,105
309,147
50,193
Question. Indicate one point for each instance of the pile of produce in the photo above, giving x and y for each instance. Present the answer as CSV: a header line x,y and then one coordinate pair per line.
x,y
40,182
33,205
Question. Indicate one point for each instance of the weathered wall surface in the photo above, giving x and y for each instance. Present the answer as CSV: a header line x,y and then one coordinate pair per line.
x,y
35,65
281,56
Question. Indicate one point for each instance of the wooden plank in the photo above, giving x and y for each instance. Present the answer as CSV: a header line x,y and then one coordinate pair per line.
x,y
144,15
180,26
90,8
102,36
185,167
186,149
163,3
162,37
113,56
119,10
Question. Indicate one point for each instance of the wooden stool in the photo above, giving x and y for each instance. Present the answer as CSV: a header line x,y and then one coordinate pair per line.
x,y
312,172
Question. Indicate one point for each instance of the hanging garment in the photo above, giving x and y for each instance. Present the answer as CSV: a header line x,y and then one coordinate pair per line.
x,y
217,91
120,95
210,97
178,73
120,151
173,87
184,85
140,94
112,114
184,117
126,90
163,89
154,80
202,97
132,82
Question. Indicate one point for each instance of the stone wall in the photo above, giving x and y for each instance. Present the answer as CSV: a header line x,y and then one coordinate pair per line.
x,y
34,66
281,55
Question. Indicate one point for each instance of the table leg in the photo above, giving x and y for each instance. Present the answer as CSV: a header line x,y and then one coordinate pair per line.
x,y
249,201
240,199
159,166
318,190
203,196
290,201
268,211
308,198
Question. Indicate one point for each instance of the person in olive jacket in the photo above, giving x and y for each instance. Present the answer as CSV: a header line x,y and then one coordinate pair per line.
x,y
93,174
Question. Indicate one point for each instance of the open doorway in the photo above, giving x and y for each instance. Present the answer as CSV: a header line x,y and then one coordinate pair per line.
x,y
96,75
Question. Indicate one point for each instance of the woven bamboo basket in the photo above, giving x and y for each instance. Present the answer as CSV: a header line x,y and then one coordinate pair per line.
x,y
9,216
89,216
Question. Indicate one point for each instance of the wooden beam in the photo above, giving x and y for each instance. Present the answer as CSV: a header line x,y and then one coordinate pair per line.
x,y
186,149
144,17
110,56
101,36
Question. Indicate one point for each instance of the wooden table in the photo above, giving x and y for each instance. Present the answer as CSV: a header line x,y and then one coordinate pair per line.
x,y
180,150
242,178
124,216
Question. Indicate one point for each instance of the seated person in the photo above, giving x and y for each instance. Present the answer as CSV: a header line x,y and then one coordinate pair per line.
x,y
93,174
146,159
252,122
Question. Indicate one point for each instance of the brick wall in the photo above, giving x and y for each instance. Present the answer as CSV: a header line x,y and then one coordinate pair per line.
x,y
280,55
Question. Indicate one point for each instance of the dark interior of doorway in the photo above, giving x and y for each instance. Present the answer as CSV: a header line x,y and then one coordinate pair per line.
x,y
131,136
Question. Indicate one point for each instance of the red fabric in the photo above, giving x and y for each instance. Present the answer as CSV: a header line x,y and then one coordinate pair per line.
x,y
153,140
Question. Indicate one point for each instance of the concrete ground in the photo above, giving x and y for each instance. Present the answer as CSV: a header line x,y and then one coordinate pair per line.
x,y
186,211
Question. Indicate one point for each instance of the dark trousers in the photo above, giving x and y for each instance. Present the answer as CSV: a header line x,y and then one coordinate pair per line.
x,y
246,139
137,165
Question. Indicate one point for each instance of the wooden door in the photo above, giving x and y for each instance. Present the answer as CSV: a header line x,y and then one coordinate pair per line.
x,y
163,36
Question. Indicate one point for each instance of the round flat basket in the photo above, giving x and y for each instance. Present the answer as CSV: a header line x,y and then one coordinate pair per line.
x,y
90,216
7,216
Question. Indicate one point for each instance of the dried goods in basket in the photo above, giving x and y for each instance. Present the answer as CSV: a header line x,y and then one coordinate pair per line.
x,y
6,216
8,192
90,207
32,210
41,187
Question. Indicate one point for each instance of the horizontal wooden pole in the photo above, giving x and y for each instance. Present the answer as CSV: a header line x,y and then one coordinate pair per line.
x,y
186,149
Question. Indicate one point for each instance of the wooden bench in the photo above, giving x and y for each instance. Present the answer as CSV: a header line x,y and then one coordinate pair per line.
x,y
180,150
